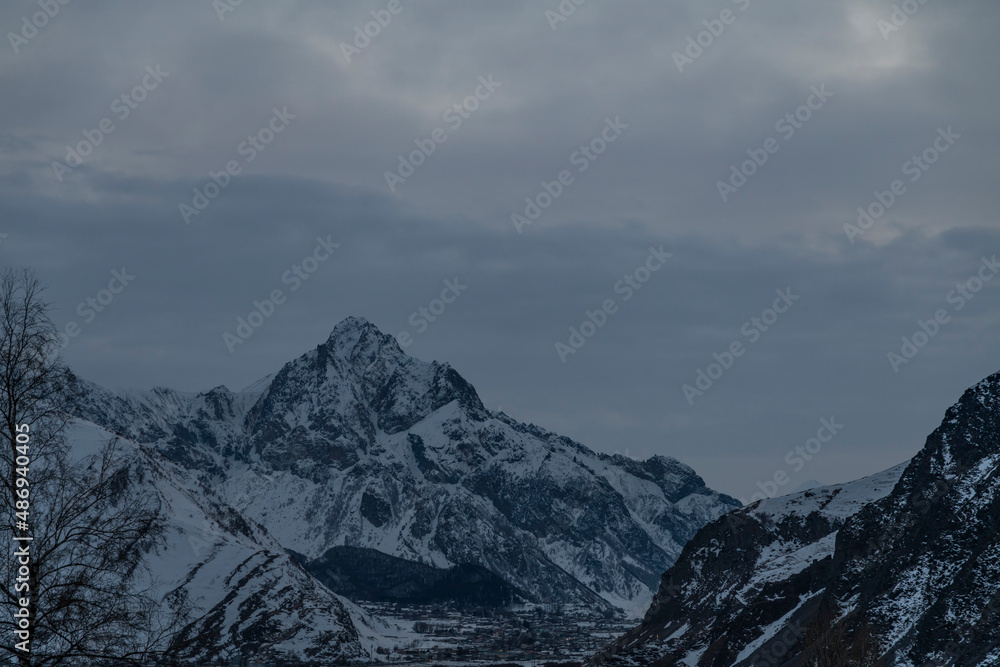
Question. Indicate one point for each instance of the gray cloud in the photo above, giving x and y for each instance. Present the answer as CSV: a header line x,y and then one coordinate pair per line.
x,y
324,176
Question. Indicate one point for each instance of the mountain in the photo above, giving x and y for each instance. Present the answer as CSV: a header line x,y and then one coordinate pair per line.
x,y
743,573
366,574
355,443
244,595
903,566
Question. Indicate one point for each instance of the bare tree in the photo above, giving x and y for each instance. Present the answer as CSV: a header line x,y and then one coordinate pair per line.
x,y
79,525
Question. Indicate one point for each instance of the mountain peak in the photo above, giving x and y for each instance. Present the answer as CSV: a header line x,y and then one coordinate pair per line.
x,y
355,443
355,339
352,327
352,322
986,391
967,436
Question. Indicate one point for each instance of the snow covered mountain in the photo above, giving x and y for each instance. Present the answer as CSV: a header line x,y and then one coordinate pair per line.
x,y
244,595
903,565
355,443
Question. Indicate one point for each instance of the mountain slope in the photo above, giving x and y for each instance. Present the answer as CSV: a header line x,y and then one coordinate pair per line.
x,y
366,574
909,559
746,571
924,563
355,443
239,586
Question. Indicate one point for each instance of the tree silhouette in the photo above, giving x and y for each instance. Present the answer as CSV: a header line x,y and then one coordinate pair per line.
x,y
89,598
844,642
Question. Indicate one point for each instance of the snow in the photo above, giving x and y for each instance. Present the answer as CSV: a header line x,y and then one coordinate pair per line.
x,y
837,501
771,630
248,575
339,421
679,632
692,657
782,560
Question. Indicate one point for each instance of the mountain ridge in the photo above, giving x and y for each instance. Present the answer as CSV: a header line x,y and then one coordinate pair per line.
x,y
912,571
355,443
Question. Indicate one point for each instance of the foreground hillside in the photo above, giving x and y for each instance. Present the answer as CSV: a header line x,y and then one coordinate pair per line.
x,y
902,566
243,595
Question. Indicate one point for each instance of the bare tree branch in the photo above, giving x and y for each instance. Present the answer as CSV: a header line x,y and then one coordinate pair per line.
x,y
92,599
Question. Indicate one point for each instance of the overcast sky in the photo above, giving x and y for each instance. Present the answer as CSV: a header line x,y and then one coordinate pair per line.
x,y
332,110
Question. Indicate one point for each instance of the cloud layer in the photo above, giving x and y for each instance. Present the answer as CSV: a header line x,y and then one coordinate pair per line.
x,y
739,108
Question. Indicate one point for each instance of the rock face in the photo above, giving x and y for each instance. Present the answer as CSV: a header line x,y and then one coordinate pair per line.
x,y
907,560
355,443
